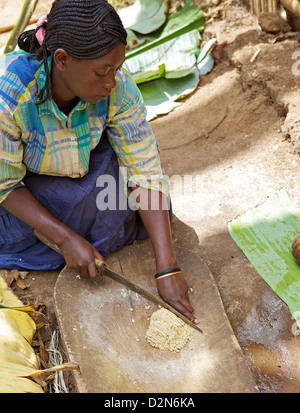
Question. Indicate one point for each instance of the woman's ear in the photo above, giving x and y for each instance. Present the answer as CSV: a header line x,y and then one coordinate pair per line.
x,y
61,59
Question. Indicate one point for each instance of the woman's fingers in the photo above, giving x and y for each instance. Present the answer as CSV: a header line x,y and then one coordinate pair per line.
x,y
174,291
93,271
185,308
81,255
87,270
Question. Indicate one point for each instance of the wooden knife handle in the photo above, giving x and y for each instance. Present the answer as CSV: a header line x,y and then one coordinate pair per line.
x,y
47,241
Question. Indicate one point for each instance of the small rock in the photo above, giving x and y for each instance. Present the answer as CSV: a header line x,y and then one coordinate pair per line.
x,y
273,23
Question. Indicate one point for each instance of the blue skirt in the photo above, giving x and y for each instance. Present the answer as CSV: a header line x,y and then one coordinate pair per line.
x,y
73,202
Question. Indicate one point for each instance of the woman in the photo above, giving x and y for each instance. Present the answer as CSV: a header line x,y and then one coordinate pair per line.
x,y
70,116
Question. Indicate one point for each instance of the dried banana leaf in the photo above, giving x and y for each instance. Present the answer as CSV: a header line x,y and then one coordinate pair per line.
x,y
9,300
16,333
18,321
21,379
12,384
18,361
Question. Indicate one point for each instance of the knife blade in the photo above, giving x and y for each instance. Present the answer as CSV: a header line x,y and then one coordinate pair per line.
x,y
104,270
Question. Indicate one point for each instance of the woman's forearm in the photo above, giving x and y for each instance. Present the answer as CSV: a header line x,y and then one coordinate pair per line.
x,y
78,252
21,203
155,216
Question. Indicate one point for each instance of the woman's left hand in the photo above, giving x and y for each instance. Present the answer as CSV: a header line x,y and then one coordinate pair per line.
x,y
174,291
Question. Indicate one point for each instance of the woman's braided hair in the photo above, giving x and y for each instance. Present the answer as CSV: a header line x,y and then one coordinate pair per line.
x,y
86,29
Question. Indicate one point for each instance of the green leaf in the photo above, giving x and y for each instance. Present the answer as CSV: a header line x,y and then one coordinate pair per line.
x,y
265,235
177,56
144,16
169,56
133,41
188,17
205,61
162,95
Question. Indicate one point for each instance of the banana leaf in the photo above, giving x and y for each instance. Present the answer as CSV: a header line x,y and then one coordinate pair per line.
x,y
180,78
162,95
14,347
9,300
16,378
144,16
18,321
16,333
165,63
9,383
133,41
172,59
265,235
205,61
19,366
188,17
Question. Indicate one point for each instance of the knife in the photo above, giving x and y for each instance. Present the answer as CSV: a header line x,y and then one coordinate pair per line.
x,y
104,270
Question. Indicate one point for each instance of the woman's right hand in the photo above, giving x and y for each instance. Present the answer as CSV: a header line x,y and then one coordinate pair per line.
x,y
80,255
77,251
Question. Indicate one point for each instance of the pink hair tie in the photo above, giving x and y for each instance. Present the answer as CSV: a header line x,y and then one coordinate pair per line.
x,y
40,31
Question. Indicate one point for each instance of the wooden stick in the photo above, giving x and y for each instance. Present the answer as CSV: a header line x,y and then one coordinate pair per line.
x,y
292,5
263,6
257,8
9,28
26,13
269,6
255,55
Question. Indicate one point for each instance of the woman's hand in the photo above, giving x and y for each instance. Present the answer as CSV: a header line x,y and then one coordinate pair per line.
x,y
80,255
174,291
153,208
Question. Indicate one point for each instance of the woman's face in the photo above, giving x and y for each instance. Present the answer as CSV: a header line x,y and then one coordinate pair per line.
x,y
90,80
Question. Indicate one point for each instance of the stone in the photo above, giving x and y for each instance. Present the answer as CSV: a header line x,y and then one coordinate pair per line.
x,y
273,23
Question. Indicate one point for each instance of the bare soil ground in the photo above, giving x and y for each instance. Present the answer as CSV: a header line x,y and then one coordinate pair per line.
x,y
241,141
244,116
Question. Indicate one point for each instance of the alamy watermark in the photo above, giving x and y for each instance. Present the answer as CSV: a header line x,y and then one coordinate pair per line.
x,y
115,195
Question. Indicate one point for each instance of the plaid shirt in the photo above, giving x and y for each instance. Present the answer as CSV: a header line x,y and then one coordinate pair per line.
x,y
44,140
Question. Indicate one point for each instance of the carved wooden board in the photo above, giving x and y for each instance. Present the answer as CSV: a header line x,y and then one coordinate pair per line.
x,y
103,329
